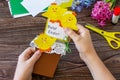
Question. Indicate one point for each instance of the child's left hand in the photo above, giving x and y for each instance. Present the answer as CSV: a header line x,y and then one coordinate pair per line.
x,y
26,63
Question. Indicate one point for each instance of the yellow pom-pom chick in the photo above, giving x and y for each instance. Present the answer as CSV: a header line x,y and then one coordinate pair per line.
x,y
68,20
54,12
44,42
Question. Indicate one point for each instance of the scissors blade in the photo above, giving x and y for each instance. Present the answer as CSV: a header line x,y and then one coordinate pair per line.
x,y
93,28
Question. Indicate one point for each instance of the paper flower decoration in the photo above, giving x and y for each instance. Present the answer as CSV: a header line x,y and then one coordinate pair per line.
x,y
101,12
78,5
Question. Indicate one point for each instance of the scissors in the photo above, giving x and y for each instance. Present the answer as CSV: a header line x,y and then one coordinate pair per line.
x,y
111,37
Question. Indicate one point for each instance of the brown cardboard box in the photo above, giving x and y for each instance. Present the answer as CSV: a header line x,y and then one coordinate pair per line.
x,y
47,64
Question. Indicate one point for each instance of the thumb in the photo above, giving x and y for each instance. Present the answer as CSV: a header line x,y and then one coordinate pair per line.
x,y
35,57
75,37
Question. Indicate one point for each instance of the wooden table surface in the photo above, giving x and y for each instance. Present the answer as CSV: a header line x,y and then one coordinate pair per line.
x,y
16,34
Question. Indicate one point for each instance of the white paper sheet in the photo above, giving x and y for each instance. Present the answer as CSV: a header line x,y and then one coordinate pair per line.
x,y
34,7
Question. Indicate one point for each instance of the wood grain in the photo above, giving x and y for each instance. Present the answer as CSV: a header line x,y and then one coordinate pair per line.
x,y
16,34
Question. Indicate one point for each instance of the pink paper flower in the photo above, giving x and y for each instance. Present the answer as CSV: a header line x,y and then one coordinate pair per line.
x,y
101,12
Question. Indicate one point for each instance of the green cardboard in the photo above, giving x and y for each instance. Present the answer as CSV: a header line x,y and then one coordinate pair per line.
x,y
17,8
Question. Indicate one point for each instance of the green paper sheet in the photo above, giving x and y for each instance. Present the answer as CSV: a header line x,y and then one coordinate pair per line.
x,y
17,8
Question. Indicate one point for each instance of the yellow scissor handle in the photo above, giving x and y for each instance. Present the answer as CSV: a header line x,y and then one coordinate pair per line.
x,y
114,35
111,37
113,42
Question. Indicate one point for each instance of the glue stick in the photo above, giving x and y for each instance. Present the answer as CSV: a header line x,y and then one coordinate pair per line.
x,y
116,15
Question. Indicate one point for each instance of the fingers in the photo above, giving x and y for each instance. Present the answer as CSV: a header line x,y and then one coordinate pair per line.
x,y
75,37
27,52
81,28
35,57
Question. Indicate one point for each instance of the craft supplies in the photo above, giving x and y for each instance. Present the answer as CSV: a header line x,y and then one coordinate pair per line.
x,y
111,38
34,7
20,8
16,9
116,15
78,5
101,12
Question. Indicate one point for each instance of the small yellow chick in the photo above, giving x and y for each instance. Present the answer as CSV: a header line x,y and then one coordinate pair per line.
x,y
54,12
44,42
68,20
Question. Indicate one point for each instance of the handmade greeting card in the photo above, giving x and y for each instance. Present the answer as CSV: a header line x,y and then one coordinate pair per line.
x,y
54,41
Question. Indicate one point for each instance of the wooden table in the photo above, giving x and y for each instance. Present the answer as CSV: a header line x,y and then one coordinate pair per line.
x,y
16,34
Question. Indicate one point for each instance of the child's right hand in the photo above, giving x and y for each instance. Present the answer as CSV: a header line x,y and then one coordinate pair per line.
x,y
82,41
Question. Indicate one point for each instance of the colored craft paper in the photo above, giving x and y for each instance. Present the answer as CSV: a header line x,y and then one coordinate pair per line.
x,y
36,6
16,9
64,3
43,42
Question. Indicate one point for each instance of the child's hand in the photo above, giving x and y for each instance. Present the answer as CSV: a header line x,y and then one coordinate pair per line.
x,y
82,40
26,63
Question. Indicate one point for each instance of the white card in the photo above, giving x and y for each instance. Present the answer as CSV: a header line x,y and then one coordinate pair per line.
x,y
55,30
34,7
